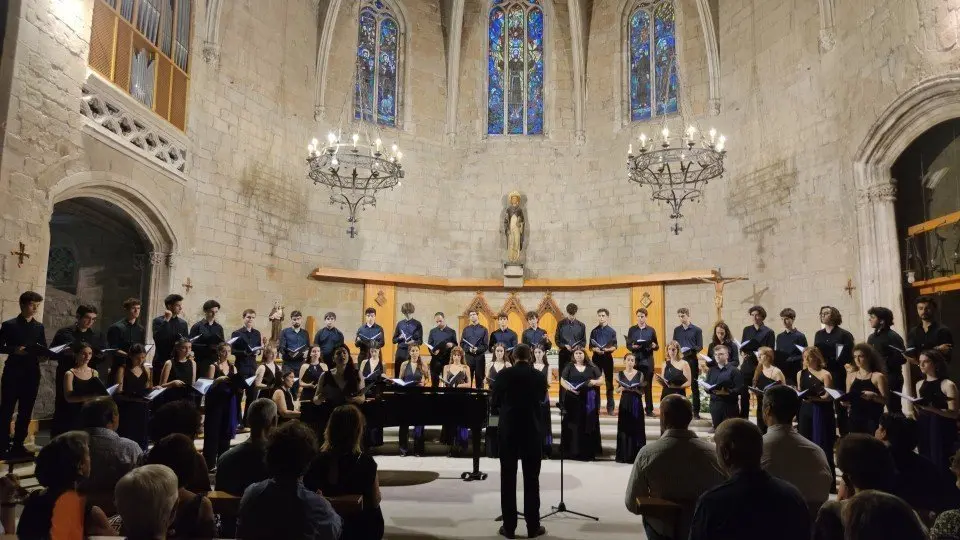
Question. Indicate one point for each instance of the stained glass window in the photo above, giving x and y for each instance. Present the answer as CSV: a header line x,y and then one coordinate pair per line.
x,y
652,42
515,68
376,92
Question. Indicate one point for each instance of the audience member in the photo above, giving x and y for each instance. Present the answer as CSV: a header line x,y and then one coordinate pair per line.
x,y
194,513
243,464
752,503
866,463
60,511
788,455
146,499
281,507
947,526
11,493
678,467
873,515
181,416
919,482
111,456
342,468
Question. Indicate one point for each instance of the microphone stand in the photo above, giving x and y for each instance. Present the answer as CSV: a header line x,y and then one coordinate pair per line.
x,y
561,507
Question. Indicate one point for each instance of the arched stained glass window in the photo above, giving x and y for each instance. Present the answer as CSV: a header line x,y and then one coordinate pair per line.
x,y
515,68
652,43
377,88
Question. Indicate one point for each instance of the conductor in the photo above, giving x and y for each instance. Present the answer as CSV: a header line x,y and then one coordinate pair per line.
x,y
519,392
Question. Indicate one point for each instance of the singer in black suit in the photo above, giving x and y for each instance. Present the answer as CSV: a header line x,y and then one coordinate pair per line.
x,y
518,392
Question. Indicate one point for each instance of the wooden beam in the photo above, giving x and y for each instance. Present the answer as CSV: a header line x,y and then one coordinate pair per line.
x,y
932,224
938,285
363,276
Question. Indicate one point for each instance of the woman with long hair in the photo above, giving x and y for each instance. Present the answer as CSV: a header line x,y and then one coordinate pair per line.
x,y
765,376
675,377
220,407
631,436
817,420
722,336
581,400
310,373
542,364
867,388
414,372
268,372
181,370
80,385
491,440
287,407
371,370
343,468
456,374
938,408
340,385
133,381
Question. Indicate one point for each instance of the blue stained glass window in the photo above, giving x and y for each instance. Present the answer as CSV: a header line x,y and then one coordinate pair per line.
x,y
654,78
515,68
376,95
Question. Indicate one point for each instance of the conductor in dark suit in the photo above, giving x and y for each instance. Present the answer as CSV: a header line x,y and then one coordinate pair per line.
x,y
519,392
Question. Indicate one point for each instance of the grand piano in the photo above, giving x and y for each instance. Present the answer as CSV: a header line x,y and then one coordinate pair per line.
x,y
389,405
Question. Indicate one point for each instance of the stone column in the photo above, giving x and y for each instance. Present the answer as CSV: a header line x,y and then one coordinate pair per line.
x,y
160,268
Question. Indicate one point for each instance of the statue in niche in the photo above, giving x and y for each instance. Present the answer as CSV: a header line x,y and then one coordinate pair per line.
x,y
276,321
514,224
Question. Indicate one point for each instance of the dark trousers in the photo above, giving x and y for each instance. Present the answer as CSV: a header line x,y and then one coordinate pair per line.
x,y
216,436
436,371
840,383
18,389
478,367
894,382
605,362
694,384
401,356
250,394
508,491
721,409
647,371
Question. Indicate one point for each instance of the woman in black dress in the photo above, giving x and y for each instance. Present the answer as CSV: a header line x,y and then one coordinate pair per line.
x,y
134,380
310,373
220,407
722,336
371,370
938,408
339,386
413,371
456,374
631,436
581,420
491,439
867,387
541,364
675,378
287,407
817,420
268,372
80,385
764,376
343,468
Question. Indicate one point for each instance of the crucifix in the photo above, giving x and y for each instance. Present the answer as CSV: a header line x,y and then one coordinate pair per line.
x,y
21,254
188,285
719,281
850,287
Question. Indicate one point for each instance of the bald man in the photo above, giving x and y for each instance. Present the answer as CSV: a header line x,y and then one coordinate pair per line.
x,y
752,503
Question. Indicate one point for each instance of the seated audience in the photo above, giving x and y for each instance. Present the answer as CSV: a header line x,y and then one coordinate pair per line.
x,y
181,416
790,456
11,493
678,467
281,507
919,482
866,463
873,515
60,510
146,499
947,526
194,514
342,468
243,464
111,456
752,503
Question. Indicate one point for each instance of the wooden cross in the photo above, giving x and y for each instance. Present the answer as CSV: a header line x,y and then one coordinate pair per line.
x,y
21,254
850,287
719,281
188,285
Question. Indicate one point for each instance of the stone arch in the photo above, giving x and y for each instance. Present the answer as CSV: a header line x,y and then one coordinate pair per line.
x,y
924,106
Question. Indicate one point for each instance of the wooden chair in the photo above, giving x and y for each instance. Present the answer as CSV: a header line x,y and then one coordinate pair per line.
x,y
661,509
228,506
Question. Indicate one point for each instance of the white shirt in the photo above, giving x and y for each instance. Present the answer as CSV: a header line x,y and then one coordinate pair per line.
x,y
677,467
789,456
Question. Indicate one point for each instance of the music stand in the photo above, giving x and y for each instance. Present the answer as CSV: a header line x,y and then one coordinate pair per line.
x,y
561,507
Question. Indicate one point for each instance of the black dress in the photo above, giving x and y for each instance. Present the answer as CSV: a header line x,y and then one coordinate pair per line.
x,y
817,421
864,414
631,436
581,420
372,436
71,412
412,374
545,414
938,435
456,436
762,382
333,396
491,441
220,417
134,411
311,376
672,375
349,474
269,379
